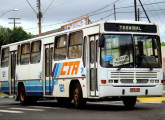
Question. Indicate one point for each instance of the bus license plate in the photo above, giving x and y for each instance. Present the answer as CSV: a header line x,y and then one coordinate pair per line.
x,y
134,89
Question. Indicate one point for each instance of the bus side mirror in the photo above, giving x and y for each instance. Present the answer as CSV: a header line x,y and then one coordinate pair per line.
x,y
101,41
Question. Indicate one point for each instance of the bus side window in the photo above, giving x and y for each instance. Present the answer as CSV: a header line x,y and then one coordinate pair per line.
x,y
75,45
5,57
60,47
25,53
35,51
18,55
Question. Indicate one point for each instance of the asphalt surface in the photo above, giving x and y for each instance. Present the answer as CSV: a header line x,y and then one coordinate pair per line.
x,y
50,110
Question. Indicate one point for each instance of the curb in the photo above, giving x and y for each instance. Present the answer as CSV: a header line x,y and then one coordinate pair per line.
x,y
152,100
6,96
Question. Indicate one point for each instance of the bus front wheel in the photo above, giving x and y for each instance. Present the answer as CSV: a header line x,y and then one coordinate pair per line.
x,y
78,97
129,102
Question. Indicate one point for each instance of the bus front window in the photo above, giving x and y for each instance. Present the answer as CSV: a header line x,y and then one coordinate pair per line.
x,y
147,51
117,51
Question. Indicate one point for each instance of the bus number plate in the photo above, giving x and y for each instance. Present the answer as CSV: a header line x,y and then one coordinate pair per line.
x,y
134,89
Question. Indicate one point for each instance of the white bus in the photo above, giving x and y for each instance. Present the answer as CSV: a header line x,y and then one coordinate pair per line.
x,y
119,60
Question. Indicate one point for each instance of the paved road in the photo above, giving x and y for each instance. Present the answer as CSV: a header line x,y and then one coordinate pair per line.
x,y
49,110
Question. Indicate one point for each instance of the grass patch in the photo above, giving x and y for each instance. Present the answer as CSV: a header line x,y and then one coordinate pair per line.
x,y
2,94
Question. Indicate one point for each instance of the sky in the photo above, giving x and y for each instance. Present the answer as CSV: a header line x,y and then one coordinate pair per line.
x,y
60,12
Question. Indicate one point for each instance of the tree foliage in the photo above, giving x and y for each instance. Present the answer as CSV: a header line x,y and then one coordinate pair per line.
x,y
16,34
163,44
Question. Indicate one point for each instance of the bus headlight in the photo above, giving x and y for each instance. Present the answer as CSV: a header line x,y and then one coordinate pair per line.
x,y
156,81
151,81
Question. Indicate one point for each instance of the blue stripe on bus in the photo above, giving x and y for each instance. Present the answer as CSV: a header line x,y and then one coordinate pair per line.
x,y
33,82
5,84
34,88
59,71
54,69
56,74
4,89
34,93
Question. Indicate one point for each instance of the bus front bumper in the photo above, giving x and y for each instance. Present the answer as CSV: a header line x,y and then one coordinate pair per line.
x,y
110,91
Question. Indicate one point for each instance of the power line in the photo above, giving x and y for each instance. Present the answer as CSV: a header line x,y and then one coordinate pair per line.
x,y
96,12
31,7
48,6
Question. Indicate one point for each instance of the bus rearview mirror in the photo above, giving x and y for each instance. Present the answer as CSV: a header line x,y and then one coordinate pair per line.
x,y
101,41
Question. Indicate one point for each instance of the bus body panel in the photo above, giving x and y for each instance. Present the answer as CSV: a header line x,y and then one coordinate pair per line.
x,y
65,72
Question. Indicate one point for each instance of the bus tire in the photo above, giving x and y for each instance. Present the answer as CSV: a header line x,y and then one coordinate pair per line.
x,y
79,102
129,102
22,96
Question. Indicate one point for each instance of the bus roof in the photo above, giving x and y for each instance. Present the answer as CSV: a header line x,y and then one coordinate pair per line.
x,y
75,29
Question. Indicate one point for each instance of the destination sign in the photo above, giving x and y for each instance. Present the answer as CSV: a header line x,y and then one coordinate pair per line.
x,y
116,27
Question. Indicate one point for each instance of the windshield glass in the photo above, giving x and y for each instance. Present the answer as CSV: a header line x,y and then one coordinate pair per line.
x,y
117,51
147,51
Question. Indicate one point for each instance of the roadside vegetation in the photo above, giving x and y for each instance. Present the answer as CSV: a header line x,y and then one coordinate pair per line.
x,y
16,34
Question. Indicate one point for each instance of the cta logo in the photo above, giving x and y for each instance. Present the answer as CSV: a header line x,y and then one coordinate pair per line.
x,y
70,68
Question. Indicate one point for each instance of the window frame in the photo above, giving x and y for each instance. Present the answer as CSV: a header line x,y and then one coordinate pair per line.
x,y
75,44
55,46
5,57
35,52
18,54
84,51
25,54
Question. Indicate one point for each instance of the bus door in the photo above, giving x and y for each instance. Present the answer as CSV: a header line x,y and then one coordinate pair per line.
x,y
13,68
48,68
93,64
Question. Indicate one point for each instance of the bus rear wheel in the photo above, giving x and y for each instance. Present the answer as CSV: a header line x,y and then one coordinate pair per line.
x,y
129,102
79,102
22,96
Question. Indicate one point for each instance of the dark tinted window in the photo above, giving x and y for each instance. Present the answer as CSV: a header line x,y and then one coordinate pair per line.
x,y
61,47
18,54
35,52
75,44
5,57
25,53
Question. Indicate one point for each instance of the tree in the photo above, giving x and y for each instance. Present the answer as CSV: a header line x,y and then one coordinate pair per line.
x,y
10,36
163,44
4,35
18,34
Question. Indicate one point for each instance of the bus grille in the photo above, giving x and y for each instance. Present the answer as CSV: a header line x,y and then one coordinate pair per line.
x,y
129,77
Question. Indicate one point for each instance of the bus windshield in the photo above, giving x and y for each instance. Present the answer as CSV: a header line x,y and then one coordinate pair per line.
x,y
117,51
147,51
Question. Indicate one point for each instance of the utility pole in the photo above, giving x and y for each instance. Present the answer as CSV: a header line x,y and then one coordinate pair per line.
x,y
135,6
114,12
39,16
15,21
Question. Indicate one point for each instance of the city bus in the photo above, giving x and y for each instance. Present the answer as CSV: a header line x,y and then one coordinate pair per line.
x,y
118,60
